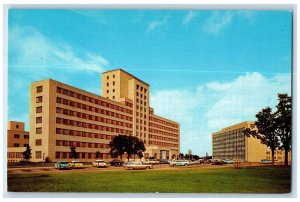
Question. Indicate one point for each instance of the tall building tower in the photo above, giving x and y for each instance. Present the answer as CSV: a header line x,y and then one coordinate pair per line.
x,y
119,85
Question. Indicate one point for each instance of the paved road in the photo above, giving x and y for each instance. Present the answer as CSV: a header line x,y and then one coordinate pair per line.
x,y
111,168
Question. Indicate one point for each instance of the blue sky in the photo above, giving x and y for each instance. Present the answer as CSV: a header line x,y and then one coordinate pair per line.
x,y
206,68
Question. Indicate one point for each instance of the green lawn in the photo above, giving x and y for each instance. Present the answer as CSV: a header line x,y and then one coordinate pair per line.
x,y
225,180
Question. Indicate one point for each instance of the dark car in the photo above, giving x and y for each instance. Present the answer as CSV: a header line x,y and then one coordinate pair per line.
x,y
217,162
116,162
163,161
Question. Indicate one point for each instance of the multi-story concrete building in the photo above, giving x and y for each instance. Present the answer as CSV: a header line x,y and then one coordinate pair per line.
x,y
17,140
232,143
62,116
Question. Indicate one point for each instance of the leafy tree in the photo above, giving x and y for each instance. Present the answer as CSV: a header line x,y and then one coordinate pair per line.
x,y
117,146
138,145
47,160
74,154
283,118
140,154
98,154
27,153
181,155
190,154
129,144
264,129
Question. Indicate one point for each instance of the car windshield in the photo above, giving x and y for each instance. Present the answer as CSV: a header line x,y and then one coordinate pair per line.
x,y
63,162
100,161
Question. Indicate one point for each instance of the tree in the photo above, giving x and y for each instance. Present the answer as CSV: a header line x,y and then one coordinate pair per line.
x,y
181,155
74,154
190,154
283,119
138,145
98,155
140,154
27,153
265,130
117,146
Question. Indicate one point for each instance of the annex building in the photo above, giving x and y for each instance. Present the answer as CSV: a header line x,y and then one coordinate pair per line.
x,y
17,140
232,143
62,116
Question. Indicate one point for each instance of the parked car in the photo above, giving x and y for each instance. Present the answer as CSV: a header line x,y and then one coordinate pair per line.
x,y
266,161
99,164
76,164
228,161
151,161
163,161
116,162
133,165
195,162
62,165
179,163
217,162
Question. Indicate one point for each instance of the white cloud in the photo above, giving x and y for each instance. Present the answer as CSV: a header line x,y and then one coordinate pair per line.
x,y
212,106
31,49
155,24
219,20
188,18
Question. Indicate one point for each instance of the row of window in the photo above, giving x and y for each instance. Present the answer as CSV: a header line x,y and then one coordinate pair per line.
x,y
98,118
162,144
156,120
87,107
162,127
81,144
19,145
17,136
92,126
12,155
163,133
61,131
90,99
141,88
163,138
81,155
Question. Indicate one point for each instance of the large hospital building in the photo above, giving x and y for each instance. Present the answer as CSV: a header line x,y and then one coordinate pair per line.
x,y
62,116
232,143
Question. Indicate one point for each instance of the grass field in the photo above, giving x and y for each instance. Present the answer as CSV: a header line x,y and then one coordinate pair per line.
x,y
225,180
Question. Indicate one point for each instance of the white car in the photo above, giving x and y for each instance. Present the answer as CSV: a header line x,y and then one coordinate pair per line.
x,y
180,163
151,161
133,165
99,164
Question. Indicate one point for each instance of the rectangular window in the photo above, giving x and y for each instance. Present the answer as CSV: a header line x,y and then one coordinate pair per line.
x,y
39,120
26,136
16,145
39,89
39,110
38,130
16,136
38,154
57,155
38,142
39,99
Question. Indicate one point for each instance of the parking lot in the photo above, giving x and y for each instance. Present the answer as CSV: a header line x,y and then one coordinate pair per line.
x,y
90,168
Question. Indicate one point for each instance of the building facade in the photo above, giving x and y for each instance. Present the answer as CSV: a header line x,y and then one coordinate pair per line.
x,y
17,140
62,116
232,143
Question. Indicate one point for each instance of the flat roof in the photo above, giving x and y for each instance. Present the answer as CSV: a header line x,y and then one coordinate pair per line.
x,y
126,73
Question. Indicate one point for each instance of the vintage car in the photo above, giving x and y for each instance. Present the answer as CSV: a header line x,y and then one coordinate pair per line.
x,y
62,165
116,162
228,161
99,163
76,164
151,161
266,161
217,162
179,163
133,165
164,161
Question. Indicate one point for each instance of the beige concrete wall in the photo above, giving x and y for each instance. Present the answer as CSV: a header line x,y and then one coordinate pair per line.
x,y
18,129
